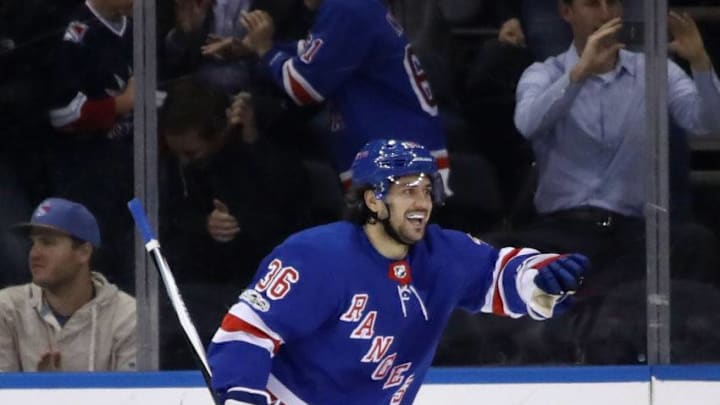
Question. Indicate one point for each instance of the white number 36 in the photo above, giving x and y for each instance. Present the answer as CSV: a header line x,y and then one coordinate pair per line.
x,y
278,281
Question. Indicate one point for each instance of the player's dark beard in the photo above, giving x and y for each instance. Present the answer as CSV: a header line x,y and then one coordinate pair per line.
x,y
390,230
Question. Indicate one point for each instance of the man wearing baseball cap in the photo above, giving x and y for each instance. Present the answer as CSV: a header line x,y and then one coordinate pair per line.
x,y
69,318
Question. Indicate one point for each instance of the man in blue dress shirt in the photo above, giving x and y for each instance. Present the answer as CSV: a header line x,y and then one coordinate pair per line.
x,y
584,113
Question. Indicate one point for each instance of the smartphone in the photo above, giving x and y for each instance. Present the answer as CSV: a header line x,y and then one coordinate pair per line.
x,y
632,34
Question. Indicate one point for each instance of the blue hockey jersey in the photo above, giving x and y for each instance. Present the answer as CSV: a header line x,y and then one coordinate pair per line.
x,y
357,58
93,64
331,321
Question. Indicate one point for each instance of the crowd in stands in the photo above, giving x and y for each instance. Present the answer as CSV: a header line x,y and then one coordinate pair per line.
x,y
255,144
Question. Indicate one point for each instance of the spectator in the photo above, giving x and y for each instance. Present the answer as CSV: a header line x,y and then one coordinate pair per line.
x,y
69,318
90,109
228,195
205,40
376,87
584,113
388,278
201,26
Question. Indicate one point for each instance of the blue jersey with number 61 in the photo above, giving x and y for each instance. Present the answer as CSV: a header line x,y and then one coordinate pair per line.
x,y
358,60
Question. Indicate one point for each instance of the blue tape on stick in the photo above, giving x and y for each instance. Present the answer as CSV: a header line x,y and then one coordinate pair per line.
x,y
141,221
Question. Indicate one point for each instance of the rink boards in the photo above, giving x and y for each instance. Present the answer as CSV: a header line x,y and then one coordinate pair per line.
x,y
611,385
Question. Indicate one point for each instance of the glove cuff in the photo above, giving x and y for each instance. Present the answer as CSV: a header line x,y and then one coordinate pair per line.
x,y
540,305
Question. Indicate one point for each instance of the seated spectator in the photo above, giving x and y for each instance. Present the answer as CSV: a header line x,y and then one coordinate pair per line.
x,y
228,194
69,318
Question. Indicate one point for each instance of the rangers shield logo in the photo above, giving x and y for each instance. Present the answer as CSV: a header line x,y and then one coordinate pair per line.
x,y
75,32
400,272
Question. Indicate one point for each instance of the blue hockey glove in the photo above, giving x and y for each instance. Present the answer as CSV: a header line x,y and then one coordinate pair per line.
x,y
563,275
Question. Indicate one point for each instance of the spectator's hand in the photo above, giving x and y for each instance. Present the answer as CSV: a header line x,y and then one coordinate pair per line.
x,y
242,114
223,48
260,30
511,33
687,42
562,276
217,47
600,51
125,101
221,225
50,361
190,14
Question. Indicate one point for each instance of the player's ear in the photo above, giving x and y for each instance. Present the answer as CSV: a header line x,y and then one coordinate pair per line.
x,y
371,201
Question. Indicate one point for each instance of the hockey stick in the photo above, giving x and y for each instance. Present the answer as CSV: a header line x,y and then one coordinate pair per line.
x,y
153,247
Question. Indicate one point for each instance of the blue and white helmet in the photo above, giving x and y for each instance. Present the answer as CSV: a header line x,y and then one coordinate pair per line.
x,y
381,162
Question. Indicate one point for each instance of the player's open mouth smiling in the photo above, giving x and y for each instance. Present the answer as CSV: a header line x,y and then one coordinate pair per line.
x,y
415,217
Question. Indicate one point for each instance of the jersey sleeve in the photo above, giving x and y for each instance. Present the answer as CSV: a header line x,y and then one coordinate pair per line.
x,y
501,281
280,306
72,108
337,45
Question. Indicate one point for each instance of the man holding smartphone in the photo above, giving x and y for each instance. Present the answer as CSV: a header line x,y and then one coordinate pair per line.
x,y
584,112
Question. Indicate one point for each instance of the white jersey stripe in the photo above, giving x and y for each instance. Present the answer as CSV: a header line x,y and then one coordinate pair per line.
x,y
497,273
60,117
488,305
223,336
243,311
518,284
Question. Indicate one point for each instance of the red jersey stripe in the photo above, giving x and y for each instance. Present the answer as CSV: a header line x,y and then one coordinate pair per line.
x,y
497,305
231,323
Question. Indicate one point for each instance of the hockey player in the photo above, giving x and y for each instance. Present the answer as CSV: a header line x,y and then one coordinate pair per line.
x,y
351,312
357,58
